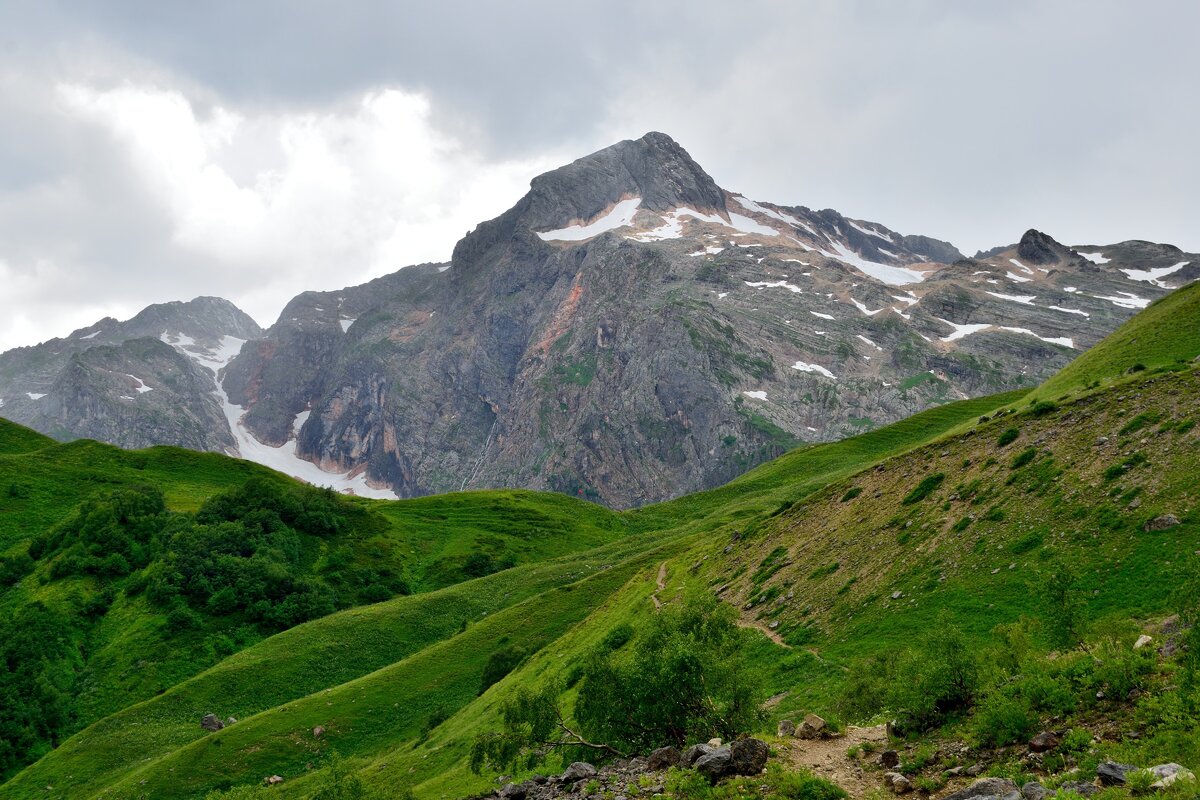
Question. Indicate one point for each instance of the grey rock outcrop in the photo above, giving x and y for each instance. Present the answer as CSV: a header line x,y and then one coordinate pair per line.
x,y
1000,788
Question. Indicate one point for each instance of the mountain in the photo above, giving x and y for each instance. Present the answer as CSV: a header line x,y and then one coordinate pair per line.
x,y
630,331
844,560
124,382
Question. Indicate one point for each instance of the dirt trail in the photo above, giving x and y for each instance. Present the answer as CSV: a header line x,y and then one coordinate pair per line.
x,y
827,758
764,630
660,583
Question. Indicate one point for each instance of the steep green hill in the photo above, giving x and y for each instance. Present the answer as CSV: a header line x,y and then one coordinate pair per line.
x,y
16,438
1164,335
850,558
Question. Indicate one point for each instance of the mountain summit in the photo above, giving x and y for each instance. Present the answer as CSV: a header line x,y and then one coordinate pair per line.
x,y
627,332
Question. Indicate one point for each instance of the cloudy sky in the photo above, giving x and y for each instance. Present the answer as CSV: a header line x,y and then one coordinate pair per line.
x,y
155,151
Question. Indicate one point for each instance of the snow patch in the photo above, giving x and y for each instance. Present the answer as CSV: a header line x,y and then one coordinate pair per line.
x,y
750,205
1125,300
1063,341
1153,275
869,232
285,459
1096,258
1071,311
91,335
35,395
141,388
893,276
819,314
962,330
1020,266
346,323
1015,298
815,368
620,216
756,395
864,309
747,225
774,285
868,341
1015,278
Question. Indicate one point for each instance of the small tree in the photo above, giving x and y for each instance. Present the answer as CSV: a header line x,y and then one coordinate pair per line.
x,y
1064,607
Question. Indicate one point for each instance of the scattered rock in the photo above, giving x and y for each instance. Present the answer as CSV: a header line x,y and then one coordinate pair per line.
x,y
663,758
1001,788
715,764
1079,787
1165,522
786,728
749,756
889,759
318,731
577,771
274,780
1142,641
1169,774
897,783
954,772
512,791
714,742
897,595
1034,791
693,754
211,722
1111,773
1043,742
813,727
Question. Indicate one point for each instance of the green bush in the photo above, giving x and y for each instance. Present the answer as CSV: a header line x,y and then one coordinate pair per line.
x,y
499,664
1024,457
1002,718
925,488
1008,437
851,493
937,679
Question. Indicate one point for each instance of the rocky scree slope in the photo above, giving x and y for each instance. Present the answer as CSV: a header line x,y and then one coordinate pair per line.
x,y
630,331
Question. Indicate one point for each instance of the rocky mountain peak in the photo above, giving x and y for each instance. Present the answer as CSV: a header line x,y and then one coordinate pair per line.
x,y
654,168
1039,248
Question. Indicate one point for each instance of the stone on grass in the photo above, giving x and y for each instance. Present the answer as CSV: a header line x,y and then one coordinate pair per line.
x,y
897,783
578,771
749,756
889,758
211,722
1142,641
1043,742
693,754
1111,773
988,787
786,728
715,764
663,758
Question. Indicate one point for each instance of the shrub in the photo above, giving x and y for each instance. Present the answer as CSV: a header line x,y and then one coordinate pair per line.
x,y
1024,457
851,493
1064,612
1043,407
937,679
499,664
925,488
1003,719
1008,437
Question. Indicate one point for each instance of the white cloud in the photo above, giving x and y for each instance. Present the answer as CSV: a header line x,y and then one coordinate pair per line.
x,y
264,204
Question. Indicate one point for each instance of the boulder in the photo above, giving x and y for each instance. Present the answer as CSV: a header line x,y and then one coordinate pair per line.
x,y
786,728
1165,522
1142,641
318,731
577,772
1169,774
897,783
1034,791
889,759
1044,742
663,758
813,727
512,791
1111,773
230,721
749,756
211,722
715,742
274,780
693,754
715,764
1079,787
1001,788
976,769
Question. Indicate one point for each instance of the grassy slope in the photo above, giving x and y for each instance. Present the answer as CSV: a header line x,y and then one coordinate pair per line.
x,y
15,438
1164,334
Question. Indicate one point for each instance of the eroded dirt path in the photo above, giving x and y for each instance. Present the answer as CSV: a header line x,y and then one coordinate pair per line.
x,y
827,758
660,583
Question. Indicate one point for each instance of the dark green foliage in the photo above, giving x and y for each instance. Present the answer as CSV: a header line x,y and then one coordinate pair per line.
x,y
108,536
38,656
851,493
934,681
1024,457
339,782
1064,607
1140,421
1008,437
500,663
1121,467
925,488
1043,407
684,680
478,565
821,572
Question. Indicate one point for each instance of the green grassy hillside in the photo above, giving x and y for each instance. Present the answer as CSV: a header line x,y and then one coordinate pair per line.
x,y
1063,519
19,439
1164,335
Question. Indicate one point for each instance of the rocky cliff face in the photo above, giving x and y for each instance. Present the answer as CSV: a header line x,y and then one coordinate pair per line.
x,y
120,382
629,331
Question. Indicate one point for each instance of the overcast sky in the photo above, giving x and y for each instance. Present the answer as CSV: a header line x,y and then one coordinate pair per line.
x,y
155,151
